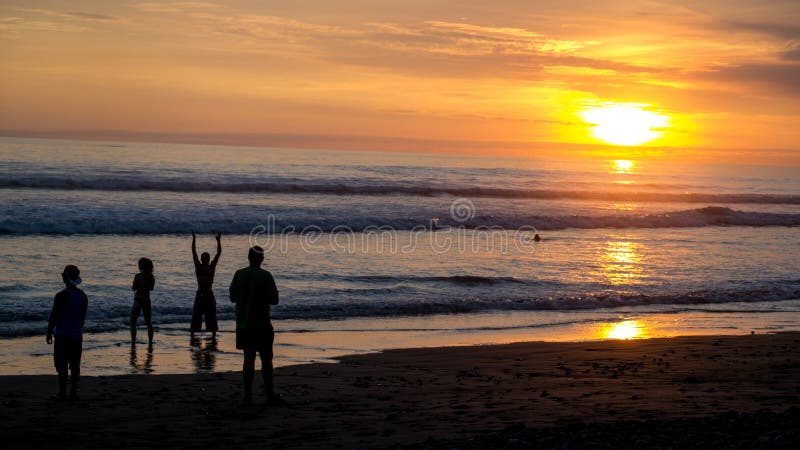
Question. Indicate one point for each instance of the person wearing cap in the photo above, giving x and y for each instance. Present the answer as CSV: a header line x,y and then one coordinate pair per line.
x,y
66,323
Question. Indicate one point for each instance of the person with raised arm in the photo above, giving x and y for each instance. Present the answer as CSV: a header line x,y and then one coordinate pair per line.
x,y
204,302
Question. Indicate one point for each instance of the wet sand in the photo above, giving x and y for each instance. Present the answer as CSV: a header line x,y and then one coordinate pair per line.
x,y
483,396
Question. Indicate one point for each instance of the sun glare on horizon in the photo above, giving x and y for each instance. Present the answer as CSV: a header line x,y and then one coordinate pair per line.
x,y
624,123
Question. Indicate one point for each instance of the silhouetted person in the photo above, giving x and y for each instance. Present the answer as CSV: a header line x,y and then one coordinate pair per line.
x,y
536,238
253,290
66,321
204,302
143,283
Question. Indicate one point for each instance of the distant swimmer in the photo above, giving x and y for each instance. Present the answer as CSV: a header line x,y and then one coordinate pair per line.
x,y
536,238
436,227
204,302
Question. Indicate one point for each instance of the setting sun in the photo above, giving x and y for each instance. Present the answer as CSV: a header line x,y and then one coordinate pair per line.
x,y
624,124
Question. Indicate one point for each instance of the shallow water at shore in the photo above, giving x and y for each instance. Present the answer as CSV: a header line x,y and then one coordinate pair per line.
x,y
300,342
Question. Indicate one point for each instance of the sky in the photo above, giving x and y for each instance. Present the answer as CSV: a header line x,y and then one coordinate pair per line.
x,y
700,80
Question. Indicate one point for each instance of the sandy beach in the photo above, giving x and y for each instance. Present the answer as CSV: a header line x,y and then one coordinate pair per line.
x,y
463,397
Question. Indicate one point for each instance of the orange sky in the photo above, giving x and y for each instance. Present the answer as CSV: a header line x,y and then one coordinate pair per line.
x,y
469,76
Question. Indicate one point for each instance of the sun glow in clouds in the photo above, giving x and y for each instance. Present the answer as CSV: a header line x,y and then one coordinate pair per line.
x,y
624,123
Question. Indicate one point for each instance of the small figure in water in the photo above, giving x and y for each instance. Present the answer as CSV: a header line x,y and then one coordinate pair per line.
x,y
66,321
204,302
253,291
536,238
143,283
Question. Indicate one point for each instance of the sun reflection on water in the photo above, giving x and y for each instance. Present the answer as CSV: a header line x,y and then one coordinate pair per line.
x,y
623,206
623,166
627,329
621,262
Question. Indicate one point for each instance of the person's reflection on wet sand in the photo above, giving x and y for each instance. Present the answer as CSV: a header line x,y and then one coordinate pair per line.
x,y
204,353
147,364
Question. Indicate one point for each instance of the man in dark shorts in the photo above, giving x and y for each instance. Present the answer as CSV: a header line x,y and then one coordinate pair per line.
x,y
204,302
66,321
253,290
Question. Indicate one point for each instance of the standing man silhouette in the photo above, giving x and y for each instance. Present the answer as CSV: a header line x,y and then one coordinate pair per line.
x,y
204,302
253,290
66,321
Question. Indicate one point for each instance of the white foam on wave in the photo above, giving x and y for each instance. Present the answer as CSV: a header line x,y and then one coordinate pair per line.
x,y
243,220
354,187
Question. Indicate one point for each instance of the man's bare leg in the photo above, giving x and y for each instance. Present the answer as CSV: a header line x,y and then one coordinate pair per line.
x,y
62,383
248,373
75,369
266,373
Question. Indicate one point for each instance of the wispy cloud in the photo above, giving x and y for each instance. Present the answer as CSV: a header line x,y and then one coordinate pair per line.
x,y
92,16
71,15
781,78
12,26
41,19
771,29
792,54
450,49
173,7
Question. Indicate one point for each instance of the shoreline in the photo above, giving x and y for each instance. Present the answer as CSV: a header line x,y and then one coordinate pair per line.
x,y
405,397
302,342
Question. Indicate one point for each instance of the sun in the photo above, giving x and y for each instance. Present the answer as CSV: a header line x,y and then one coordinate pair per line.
x,y
624,123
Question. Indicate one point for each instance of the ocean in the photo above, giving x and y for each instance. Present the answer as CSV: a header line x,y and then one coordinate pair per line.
x,y
417,246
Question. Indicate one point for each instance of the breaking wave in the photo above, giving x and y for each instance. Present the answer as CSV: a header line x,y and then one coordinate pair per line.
x,y
351,187
244,220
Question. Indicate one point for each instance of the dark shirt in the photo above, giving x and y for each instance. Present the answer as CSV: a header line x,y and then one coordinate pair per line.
x,y
69,313
253,290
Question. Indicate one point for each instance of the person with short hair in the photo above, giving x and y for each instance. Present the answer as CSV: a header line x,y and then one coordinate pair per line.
x,y
253,290
205,304
66,323
143,283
